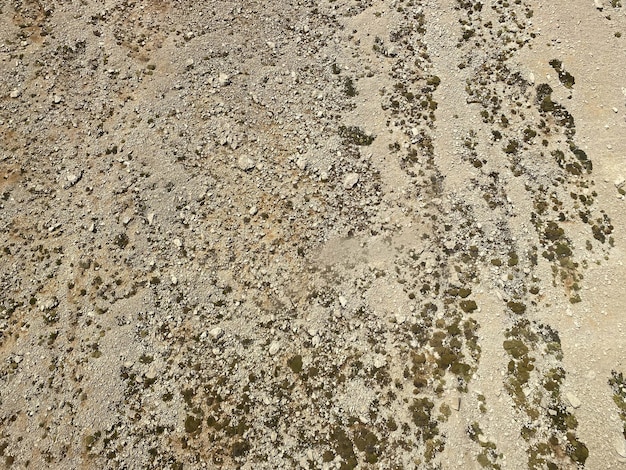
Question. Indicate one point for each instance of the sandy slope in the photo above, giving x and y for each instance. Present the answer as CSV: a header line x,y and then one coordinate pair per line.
x,y
338,234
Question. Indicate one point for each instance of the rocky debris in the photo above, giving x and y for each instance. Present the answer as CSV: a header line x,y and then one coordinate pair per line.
x,y
216,333
246,163
193,239
274,348
350,180
573,400
223,79
72,179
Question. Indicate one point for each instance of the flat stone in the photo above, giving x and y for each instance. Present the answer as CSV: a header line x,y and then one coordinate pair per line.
x,y
573,400
216,333
379,361
454,401
302,163
274,348
245,163
223,79
350,180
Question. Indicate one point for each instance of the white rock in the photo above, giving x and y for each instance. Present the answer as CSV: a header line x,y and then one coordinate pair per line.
x,y
274,347
174,280
379,361
620,448
56,99
246,163
454,401
223,79
253,210
302,163
15,93
177,242
598,4
573,400
216,333
343,301
350,180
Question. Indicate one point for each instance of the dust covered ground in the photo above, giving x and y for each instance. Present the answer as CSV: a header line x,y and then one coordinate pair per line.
x,y
316,235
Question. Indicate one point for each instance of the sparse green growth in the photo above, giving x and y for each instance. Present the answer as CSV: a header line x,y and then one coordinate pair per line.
x,y
348,87
295,363
468,306
193,424
355,135
618,385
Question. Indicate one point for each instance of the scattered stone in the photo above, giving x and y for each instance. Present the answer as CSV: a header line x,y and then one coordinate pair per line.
x,y
246,163
619,181
350,180
274,347
216,333
573,400
49,304
151,374
379,361
223,79
302,163
454,401
72,179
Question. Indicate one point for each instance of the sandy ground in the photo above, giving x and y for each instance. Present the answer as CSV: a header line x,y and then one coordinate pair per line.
x,y
338,234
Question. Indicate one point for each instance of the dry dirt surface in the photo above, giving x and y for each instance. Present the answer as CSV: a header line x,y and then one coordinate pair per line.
x,y
307,234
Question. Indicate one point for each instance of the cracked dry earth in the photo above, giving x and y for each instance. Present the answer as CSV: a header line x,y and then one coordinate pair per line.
x,y
319,235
